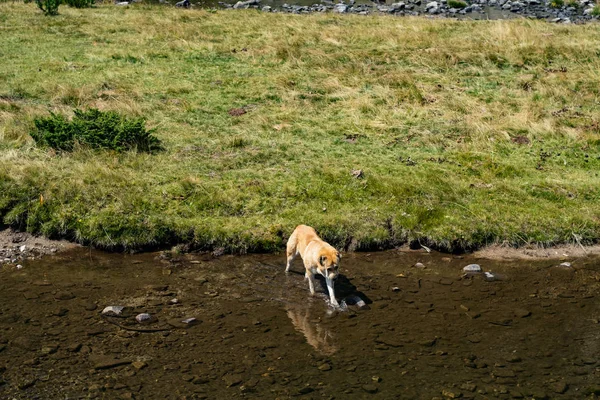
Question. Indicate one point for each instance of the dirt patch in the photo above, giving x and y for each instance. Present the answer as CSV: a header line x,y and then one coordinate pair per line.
x,y
535,253
18,246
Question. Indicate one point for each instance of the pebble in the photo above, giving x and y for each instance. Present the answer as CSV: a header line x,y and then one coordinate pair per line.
x,y
451,394
63,295
306,390
105,362
565,265
26,383
46,350
139,365
490,277
472,268
141,318
522,313
559,387
419,265
324,367
232,379
74,348
113,310
469,387
370,388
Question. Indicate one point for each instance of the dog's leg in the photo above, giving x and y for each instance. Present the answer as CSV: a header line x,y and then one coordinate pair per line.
x,y
290,259
311,282
331,292
291,251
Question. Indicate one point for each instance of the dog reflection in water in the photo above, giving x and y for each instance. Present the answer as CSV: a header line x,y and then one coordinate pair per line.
x,y
316,335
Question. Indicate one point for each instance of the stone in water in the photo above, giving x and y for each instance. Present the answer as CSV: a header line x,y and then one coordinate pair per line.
x,y
113,310
489,276
144,317
472,268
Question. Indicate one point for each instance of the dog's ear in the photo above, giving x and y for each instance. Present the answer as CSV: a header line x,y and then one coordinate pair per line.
x,y
322,260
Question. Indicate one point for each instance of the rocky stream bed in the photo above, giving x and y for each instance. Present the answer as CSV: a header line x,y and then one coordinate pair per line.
x,y
239,327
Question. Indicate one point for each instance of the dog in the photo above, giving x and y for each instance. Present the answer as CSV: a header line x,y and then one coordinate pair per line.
x,y
318,257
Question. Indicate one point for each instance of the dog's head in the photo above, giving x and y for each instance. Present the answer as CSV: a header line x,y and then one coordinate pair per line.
x,y
329,262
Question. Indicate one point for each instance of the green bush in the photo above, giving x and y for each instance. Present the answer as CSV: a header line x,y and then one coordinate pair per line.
x,y
96,129
49,7
596,11
80,3
456,4
557,3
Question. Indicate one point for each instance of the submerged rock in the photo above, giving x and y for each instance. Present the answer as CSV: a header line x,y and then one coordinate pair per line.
x,y
144,317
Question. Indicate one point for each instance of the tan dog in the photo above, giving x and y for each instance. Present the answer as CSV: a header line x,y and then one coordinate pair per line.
x,y
318,257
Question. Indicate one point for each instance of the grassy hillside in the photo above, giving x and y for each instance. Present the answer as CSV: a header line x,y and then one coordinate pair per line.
x,y
467,133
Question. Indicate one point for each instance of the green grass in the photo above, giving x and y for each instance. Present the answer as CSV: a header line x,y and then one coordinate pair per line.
x,y
557,3
468,133
456,4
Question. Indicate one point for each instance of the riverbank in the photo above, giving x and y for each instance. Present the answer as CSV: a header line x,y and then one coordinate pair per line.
x,y
16,247
377,131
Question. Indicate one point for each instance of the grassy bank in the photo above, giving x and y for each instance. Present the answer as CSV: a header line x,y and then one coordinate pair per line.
x,y
467,133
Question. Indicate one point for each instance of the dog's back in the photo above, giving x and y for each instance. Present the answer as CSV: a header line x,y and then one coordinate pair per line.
x,y
300,238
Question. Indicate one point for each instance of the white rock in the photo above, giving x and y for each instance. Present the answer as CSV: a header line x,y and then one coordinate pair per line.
x,y
113,310
472,268
340,8
22,248
19,266
489,276
432,4
144,317
565,264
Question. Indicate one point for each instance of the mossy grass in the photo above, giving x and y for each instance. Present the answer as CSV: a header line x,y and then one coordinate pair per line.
x,y
557,3
467,133
457,4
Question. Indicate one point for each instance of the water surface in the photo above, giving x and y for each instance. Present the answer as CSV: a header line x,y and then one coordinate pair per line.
x,y
427,332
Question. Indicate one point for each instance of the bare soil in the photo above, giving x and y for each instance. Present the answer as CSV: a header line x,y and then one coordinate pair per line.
x,y
18,246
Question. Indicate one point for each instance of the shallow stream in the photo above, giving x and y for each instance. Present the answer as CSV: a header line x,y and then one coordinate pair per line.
x,y
427,332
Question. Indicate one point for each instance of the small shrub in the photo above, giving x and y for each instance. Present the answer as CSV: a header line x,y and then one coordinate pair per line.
x,y
80,3
456,4
557,3
49,7
596,11
96,129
